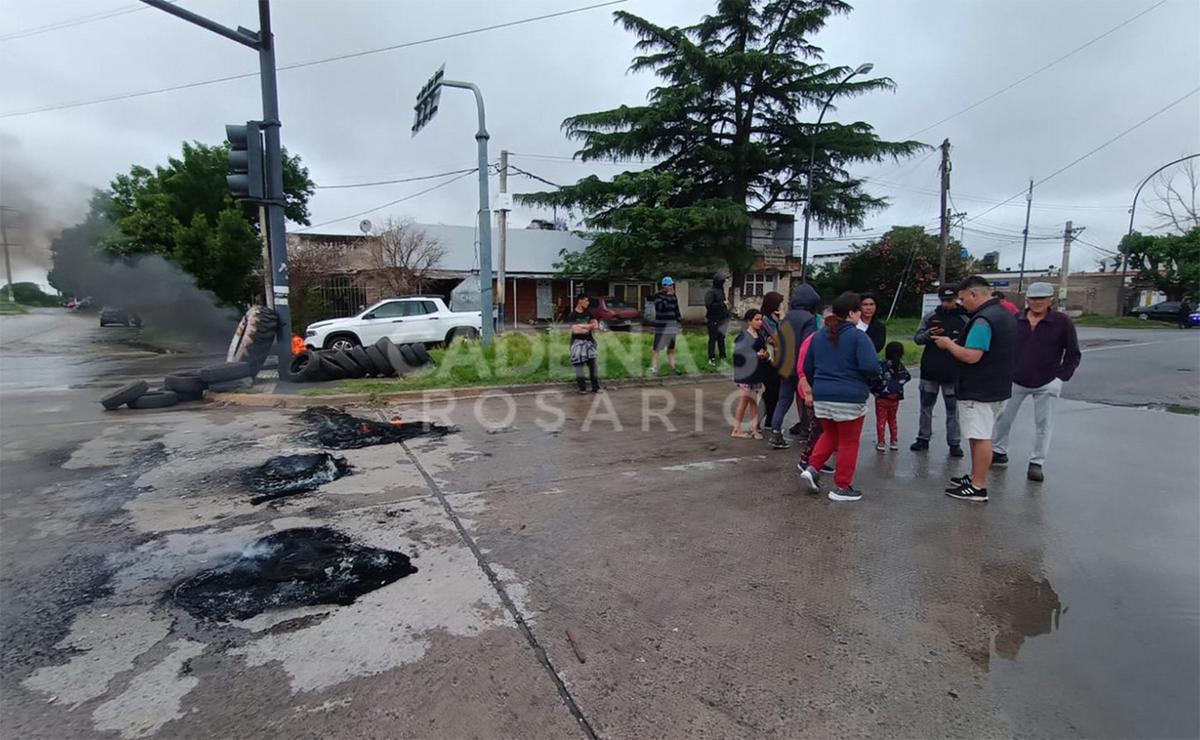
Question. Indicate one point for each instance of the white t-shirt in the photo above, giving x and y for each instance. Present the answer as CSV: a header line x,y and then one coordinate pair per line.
x,y
861,325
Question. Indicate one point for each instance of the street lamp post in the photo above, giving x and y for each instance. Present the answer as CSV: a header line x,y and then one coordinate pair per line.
x,y
1133,207
812,155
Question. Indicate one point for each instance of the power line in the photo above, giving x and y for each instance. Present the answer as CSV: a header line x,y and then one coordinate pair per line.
x,y
1079,159
573,160
389,203
392,182
532,176
1039,70
71,22
301,65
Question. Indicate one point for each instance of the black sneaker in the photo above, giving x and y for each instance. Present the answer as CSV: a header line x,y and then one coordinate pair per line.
x,y
958,480
919,446
795,430
828,468
966,491
811,478
956,451
999,460
849,493
777,441
1034,473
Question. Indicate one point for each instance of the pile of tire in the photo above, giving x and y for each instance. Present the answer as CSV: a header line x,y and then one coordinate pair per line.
x,y
188,385
384,359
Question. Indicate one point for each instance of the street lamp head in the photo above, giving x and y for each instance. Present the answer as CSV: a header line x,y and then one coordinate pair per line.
x,y
864,68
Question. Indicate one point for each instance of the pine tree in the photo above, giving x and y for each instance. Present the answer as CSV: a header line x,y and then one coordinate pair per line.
x,y
725,136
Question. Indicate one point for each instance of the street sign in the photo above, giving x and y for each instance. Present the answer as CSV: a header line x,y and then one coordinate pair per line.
x,y
1001,283
929,301
427,101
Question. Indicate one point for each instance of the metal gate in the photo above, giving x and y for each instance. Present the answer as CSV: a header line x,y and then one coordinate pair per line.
x,y
342,296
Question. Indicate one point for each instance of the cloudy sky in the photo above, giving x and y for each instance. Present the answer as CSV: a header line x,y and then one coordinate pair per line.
x,y
349,119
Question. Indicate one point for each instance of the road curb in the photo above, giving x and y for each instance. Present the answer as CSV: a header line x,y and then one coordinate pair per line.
x,y
292,400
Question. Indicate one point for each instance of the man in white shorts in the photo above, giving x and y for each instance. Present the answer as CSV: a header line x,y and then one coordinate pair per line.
x,y
985,351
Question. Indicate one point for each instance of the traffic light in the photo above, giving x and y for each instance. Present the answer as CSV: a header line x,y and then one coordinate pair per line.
x,y
245,178
427,101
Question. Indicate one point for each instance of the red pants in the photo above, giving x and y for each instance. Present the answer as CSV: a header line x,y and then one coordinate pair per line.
x,y
885,416
841,436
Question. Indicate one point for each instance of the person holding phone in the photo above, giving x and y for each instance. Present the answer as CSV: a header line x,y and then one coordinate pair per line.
x,y
939,370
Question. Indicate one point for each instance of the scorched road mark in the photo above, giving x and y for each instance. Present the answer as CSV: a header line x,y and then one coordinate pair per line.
x,y
540,652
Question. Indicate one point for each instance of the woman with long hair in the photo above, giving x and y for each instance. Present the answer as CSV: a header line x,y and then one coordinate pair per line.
x,y
749,362
840,364
772,314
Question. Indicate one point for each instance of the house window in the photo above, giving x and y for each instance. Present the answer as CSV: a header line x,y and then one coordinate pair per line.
x,y
758,283
634,294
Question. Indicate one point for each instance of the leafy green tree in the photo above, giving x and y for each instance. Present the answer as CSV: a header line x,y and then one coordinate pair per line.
x,y
29,294
725,132
1169,263
183,211
904,259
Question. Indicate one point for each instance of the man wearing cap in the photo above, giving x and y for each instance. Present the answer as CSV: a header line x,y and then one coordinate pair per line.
x,y
1047,356
667,322
939,370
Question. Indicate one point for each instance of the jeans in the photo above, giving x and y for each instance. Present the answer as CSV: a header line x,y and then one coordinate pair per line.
x,y
886,411
842,437
929,393
591,366
1043,418
770,395
716,338
787,394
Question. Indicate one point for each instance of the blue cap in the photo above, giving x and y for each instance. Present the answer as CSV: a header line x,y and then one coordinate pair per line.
x,y
668,281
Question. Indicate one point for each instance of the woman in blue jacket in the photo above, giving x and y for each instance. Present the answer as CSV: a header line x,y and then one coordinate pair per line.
x,y
840,365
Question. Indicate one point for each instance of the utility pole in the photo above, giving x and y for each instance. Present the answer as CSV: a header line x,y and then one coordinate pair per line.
x,y
7,259
1025,238
945,213
263,42
502,208
1064,274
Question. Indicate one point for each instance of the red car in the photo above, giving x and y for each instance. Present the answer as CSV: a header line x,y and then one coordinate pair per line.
x,y
613,314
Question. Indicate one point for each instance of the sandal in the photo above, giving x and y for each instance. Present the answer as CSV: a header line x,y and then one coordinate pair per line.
x,y
756,434
739,435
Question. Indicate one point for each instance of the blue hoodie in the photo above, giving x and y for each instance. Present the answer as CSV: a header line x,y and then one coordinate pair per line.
x,y
841,373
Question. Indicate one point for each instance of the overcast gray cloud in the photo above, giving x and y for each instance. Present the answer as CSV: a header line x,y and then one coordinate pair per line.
x,y
350,119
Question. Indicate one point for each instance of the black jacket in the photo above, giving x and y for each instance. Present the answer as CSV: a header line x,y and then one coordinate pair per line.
x,y
937,364
877,331
797,324
990,379
715,307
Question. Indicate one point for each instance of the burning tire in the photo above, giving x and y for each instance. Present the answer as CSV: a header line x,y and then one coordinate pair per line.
x,y
306,368
230,386
225,372
155,400
125,394
380,361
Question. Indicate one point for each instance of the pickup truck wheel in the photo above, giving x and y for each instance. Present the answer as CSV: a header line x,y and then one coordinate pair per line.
x,y
344,342
461,332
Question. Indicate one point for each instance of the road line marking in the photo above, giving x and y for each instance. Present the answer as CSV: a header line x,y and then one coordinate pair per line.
x,y
1121,346
709,464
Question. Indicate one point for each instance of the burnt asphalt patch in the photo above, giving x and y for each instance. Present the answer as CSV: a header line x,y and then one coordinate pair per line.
x,y
296,567
338,430
286,475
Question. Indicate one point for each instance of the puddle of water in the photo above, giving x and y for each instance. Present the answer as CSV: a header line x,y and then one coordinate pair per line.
x,y
289,474
296,567
1021,607
340,431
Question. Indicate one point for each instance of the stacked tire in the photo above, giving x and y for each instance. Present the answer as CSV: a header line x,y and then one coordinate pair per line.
x,y
188,385
384,359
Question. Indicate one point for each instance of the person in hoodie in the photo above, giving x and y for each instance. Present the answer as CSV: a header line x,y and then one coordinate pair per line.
x,y
840,365
799,322
716,316
939,370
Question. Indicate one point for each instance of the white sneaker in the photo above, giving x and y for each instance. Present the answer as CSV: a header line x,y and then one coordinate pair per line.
x,y
881,448
812,479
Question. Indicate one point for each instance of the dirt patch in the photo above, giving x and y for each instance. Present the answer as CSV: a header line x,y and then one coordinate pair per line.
x,y
338,430
286,475
295,567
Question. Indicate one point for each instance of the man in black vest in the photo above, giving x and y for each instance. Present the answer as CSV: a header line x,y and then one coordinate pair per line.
x,y
939,370
985,353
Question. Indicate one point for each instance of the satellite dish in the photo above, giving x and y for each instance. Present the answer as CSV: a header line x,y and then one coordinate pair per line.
x,y
365,226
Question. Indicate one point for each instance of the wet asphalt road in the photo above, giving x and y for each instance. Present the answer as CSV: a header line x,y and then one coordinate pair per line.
x,y
704,594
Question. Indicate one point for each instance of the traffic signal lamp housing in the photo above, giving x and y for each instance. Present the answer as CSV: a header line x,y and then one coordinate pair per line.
x,y
245,178
427,101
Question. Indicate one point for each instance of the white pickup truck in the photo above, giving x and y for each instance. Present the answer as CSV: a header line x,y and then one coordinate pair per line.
x,y
407,320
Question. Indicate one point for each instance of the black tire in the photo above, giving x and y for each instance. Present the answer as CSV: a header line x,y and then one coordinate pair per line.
x,y
187,382
348,365
229,386
339,338
125,394
400,364
329,368
422,354
306,368
410,357
189,396
224,372
463,332
155,400
380,361
363,360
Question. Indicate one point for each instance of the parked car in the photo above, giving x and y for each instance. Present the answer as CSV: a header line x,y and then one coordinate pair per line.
x,y
407,320
1164,311
118,317
613,314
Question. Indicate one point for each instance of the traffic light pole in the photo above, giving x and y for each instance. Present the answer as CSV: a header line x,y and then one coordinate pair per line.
x,y
262,41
